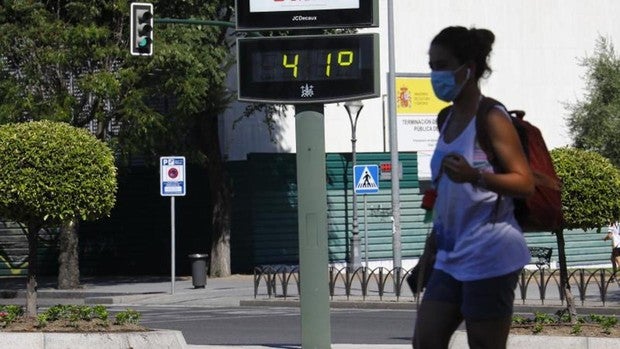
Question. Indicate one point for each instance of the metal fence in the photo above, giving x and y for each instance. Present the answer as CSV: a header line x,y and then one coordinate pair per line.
x,y
592,286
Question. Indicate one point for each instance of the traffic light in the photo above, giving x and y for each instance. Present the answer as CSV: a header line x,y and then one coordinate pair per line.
x,y
141,31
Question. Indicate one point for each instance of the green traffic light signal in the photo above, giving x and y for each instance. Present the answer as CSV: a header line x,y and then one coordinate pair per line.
x,y
143,42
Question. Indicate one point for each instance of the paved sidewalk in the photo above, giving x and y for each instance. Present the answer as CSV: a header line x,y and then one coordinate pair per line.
x,y
136,290
239,290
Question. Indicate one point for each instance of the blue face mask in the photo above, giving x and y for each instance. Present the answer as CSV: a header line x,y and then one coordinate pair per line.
x,y
444,84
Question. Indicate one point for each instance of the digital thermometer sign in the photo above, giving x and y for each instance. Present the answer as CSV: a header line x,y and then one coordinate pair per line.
x,y
308,69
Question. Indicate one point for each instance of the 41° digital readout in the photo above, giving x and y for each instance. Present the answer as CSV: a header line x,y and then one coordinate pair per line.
x,y
305,65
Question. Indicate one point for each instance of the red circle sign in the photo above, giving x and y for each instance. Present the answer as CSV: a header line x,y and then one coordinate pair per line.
x,y
173,173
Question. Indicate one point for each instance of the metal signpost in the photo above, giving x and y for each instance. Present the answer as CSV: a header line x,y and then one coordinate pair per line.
x,y
308,71
366,181
172,183
396,241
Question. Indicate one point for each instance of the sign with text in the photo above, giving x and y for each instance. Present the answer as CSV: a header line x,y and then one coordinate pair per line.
x,y
296,14
307,5
416,114
172,176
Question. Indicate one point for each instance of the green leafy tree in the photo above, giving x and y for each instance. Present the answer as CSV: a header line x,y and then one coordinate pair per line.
x,y
594,122
69,61
52,174
590,199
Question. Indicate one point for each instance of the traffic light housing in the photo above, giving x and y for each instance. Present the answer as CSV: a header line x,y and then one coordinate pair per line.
x,y
141,31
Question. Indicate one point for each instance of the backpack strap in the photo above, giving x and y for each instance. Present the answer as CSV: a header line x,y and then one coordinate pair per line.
x,y
482,135
482,126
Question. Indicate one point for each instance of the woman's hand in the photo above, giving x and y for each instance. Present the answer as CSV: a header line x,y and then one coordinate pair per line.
x,y
458,169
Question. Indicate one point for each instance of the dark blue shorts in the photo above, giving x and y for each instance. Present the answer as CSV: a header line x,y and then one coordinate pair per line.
x,y
479,300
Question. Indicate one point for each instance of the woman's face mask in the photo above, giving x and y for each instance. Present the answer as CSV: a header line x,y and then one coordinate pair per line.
x,y
444,83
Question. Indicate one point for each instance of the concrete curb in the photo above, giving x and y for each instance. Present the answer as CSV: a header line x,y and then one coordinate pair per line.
x,y
333,346
168,339
459,341
157,339
353,304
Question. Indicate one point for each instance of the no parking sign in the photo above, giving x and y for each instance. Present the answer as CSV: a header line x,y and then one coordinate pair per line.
x,y
172,183
172,175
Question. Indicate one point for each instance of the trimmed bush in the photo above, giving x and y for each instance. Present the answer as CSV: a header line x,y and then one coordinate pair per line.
x,y
53,172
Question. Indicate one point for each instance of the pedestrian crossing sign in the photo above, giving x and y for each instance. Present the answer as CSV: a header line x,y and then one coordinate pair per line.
x,y
366,179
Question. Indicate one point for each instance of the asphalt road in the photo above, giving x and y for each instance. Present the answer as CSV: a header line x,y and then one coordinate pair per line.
x,y
276,326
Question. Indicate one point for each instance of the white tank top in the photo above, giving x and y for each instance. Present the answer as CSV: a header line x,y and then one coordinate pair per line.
x,y
477,237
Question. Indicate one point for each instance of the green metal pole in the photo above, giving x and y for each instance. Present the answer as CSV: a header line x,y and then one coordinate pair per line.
x,y
194,22
312,212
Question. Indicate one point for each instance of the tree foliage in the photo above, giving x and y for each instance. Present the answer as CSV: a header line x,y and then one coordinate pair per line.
x,y
69,60
60,60
594,122
182,87
590,188
53,173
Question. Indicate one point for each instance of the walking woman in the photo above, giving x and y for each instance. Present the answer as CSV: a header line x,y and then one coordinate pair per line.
x,y
481,248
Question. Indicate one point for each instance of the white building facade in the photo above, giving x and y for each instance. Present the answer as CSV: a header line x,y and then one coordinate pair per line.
x,y
536,62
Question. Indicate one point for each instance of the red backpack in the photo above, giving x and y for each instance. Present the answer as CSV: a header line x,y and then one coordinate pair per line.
x,y
541,211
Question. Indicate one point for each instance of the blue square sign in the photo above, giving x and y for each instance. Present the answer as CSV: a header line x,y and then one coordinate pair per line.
x,y
366,179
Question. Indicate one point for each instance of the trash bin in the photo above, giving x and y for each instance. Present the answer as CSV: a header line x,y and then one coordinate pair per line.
x,y
199,269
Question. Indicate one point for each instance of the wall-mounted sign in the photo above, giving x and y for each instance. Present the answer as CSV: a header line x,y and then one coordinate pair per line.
x,y
385,171
297,5
416,110
308,69
415,96
302,14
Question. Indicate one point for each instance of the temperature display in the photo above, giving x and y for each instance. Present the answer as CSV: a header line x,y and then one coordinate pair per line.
x,y
306,65
308,68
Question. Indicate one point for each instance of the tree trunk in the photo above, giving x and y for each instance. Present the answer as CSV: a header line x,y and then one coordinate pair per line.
x,y
31,283
220,245
68,260
221,196
564,284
